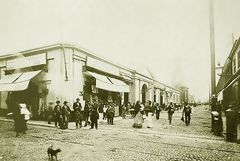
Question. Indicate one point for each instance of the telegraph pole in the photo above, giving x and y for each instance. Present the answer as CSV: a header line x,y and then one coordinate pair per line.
x,y
212,47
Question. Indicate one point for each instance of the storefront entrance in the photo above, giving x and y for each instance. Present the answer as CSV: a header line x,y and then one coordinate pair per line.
x,y
29,96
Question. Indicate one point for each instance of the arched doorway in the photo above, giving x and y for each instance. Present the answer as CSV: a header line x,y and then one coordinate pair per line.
x,y
144,91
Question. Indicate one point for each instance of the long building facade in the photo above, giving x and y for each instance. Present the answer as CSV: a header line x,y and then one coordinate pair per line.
x,y
39,77
229,82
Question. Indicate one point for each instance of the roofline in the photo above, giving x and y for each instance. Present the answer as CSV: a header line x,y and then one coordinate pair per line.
x,y
88,53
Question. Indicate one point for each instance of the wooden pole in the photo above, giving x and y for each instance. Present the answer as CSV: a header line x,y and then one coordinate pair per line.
x,y
212,47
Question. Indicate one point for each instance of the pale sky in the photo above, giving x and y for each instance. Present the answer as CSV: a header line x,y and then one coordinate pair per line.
x,y
170,37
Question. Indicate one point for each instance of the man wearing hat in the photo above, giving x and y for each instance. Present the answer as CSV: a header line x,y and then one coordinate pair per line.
x,y
78,112
77,104
65,113
57,112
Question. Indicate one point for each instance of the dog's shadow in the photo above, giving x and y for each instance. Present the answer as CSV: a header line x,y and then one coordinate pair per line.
x,y
54,159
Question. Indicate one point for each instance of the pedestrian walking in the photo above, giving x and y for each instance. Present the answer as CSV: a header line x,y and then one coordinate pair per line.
x,y
77,104
104,112
124,109
138,120
110,114
158,110
100,109
187,110
50,112
20,123
137,108
57,113
170,110
78,117
87,108
148,108
77,107
128,108
94,116
65,114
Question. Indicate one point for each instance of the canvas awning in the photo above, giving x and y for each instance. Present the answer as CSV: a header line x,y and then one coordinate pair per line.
x,y
123,87
109,84
18,81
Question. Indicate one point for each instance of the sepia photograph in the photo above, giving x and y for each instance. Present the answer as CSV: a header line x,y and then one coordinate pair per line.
x,y
120,80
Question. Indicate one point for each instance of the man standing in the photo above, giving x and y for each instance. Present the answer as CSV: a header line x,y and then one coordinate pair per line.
x,y
170,110
187,110
86,112
158,109
77,104
77,107
94,118
65,113
57,113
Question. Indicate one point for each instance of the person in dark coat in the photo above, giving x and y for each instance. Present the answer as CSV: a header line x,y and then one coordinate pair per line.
x,y
148,108
19,121
77,108
137,108
170,110
57,113
87,108
50,112
94,116
78,117
77,104
187,110
65,114
158,110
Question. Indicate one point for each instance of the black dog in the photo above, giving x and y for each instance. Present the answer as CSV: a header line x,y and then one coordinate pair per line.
x,y
52,153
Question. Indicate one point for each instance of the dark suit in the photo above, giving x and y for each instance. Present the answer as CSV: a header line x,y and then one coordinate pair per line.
x,y
76,105
65,113
57,113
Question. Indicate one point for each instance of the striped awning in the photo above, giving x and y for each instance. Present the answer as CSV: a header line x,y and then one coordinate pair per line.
x,y
109,84
18,81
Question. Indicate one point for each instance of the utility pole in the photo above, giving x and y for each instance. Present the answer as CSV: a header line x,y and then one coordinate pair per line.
x,y
212,47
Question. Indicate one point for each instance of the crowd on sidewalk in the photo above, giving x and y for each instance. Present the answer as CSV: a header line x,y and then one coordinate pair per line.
x,y
142,113
89,114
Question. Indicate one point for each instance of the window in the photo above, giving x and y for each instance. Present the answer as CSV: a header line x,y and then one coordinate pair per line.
x,y
234,65
239,59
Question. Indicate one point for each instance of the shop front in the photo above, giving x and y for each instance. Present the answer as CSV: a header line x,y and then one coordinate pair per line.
x,y
39,79
106,89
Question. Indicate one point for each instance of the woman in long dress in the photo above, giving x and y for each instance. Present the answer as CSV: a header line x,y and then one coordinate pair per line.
x,y
138,119
19,120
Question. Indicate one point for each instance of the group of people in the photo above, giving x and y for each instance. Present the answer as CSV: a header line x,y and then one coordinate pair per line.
x,y
79,114
62,114
141,113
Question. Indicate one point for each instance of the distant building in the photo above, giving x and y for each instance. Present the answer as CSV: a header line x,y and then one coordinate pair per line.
x,y
184,94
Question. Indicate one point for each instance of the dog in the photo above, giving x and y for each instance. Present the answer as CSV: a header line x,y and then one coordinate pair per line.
x,y
52,153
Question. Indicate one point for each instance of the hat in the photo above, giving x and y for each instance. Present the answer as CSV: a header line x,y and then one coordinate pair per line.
x,y
65,102
78,99
57,101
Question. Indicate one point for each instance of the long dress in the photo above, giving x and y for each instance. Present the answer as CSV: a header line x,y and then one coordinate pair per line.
x,y
19,122
138,120
148,121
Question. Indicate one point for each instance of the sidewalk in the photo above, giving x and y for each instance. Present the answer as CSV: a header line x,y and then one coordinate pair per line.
x,y
45,123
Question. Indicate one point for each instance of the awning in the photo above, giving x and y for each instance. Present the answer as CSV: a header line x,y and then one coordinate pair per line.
x,y
121,86
18,81
109,84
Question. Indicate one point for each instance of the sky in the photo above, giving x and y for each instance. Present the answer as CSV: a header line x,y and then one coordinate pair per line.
x,y
168,37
